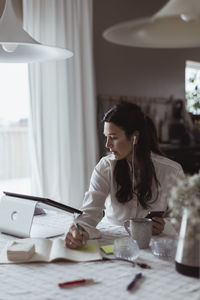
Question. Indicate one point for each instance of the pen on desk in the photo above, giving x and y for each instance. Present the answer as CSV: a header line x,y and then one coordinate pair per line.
x,y
75,282
133,282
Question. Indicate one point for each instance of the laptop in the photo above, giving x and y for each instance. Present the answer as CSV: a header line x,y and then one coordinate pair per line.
x,y
16,218
46,201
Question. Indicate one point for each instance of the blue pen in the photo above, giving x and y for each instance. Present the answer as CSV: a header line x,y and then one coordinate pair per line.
x,y
133,282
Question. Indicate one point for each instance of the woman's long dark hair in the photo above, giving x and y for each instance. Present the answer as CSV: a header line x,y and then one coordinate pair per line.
x,y
130,118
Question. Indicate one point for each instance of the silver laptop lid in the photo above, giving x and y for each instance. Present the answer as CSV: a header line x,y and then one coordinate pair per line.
x,y
16,216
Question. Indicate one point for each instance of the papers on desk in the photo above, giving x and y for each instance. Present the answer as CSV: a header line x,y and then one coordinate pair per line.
x,y
52,250
20,251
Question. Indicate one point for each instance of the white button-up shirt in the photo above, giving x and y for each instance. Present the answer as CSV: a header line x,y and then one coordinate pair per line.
x,y
101,194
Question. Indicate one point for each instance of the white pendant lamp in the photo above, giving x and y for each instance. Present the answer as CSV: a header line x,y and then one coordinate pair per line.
x,y
17,46
176,25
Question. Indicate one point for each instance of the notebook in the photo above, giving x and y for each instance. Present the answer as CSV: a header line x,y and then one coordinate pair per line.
x,y
54,250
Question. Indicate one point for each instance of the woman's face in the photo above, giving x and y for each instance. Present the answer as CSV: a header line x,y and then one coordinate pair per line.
x,y
117,142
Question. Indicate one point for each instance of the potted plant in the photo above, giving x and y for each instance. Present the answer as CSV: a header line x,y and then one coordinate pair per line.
x,y
193,93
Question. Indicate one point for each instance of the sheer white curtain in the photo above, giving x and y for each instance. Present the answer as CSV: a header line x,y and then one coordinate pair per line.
x,y
62,108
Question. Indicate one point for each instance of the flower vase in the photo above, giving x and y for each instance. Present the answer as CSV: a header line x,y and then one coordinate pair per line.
x,y
188,249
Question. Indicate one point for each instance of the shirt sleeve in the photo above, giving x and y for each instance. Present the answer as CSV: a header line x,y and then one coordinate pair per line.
x,y
172,179
170,228
94,200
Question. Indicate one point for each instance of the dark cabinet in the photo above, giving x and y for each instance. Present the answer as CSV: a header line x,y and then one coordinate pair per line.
x,y
187,156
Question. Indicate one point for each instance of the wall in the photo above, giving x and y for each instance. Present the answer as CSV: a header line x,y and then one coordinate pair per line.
x,y
132,71
17,5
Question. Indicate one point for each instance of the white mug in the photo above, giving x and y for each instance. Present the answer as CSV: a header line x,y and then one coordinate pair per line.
x,y
140,229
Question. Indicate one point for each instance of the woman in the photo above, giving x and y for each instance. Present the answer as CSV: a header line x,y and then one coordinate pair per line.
x,y
129,182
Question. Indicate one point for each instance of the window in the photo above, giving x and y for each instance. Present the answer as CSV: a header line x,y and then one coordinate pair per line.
x,y
192,86
14,142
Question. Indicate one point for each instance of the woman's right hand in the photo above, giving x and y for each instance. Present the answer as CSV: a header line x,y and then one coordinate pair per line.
x,y
74,238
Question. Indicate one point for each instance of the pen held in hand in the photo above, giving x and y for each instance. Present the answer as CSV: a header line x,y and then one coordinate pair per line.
x,y
80,231
133,282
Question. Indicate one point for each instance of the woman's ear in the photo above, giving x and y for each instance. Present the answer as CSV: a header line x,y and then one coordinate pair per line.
x,y
135,137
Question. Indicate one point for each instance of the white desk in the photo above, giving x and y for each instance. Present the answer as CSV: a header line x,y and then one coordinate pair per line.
x,y
39,280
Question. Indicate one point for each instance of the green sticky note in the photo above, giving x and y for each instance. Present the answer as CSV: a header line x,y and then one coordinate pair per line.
x,y
108,249
87,248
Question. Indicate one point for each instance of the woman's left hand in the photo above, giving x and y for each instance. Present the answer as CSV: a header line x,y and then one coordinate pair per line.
x,y
158,225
